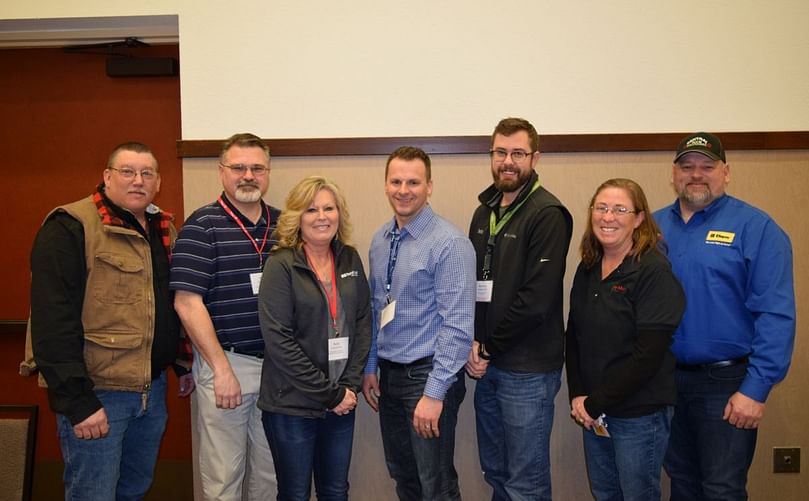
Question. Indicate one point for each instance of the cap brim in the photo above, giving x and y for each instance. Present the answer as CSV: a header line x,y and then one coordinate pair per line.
x,y
707,153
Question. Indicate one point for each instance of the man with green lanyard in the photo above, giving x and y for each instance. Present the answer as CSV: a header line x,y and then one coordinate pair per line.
x,y
521,234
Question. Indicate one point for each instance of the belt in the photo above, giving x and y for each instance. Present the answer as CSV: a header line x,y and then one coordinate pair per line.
x,y
712,365
421,361
238,351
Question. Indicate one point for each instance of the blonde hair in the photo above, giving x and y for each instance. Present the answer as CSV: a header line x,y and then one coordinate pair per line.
x,y
299,198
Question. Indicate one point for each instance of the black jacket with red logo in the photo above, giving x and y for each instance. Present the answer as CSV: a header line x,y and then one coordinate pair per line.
x,y
619,335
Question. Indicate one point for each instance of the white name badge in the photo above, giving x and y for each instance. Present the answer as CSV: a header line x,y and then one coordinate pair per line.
x,y
483,291
338,348
388,312
255,281
600,427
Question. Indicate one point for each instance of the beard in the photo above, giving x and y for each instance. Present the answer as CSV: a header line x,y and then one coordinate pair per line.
x,y
699,198
247,193
511,185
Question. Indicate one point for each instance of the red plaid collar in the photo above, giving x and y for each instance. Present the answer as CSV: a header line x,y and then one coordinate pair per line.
x,y
110,218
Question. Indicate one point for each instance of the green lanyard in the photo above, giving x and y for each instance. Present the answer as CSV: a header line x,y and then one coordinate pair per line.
x,y
494,229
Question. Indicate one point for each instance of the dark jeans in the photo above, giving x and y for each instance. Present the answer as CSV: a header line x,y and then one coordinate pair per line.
x,y
514,417
707,457
302,446
422,468
626,465
121,465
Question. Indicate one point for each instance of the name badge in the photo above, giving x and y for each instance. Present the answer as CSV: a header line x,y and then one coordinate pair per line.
x,y
255,281
338,348
388,312
483,291
600,427
722,237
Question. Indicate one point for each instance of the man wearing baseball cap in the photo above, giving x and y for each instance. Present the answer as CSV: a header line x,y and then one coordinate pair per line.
x,y
736,337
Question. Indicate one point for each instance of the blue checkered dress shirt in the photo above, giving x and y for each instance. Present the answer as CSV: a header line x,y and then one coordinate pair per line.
x,y
433,285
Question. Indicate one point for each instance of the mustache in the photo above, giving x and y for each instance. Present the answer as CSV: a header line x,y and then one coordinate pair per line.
x,y
251,184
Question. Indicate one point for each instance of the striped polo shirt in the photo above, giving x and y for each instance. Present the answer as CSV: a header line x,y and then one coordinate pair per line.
x,y
214,258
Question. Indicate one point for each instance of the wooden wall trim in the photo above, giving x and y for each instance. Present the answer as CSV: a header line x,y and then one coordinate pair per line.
x,y
13,326
549,143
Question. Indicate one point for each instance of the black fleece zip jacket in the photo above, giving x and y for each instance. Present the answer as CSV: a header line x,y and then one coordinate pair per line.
x,y
522,328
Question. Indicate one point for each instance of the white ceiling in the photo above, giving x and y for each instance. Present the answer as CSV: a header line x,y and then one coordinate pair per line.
x,y
22,33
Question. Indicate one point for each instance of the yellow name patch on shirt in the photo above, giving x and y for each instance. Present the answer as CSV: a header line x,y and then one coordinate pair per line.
x,y
724,237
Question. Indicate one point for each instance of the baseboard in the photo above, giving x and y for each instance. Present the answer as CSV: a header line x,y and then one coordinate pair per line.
x,y
173,480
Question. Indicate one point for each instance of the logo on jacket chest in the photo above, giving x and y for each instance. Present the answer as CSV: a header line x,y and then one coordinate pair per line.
x,y
716,237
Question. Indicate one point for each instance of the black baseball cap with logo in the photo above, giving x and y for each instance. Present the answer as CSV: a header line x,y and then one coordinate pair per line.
x,y
701,142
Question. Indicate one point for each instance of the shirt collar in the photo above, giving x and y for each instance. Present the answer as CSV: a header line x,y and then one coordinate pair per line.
x,y
124,215
417,226
245,219
707,211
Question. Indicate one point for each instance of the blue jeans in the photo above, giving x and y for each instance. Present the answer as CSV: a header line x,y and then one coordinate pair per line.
x,y
708,458
514,415
121,465
422,468
626,466
301,446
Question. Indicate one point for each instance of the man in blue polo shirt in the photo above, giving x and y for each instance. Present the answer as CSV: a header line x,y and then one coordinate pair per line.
x,y
736,337
215,272
422,279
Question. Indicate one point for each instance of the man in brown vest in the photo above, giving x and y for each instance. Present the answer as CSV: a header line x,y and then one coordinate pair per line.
x,y
103,329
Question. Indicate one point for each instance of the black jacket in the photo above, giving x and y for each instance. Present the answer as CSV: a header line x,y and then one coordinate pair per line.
x,y
618,336
294,315
522,327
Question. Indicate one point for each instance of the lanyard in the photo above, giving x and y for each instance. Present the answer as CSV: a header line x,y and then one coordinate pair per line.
x,y
494,229
253,241
332,298
396,239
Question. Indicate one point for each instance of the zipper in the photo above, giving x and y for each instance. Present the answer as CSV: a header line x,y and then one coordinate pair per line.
x,y
144,397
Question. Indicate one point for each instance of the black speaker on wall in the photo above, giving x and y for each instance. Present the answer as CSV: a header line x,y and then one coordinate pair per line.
x,y
142,67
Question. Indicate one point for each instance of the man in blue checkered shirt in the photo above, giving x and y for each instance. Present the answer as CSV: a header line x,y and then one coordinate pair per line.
x,y
422,279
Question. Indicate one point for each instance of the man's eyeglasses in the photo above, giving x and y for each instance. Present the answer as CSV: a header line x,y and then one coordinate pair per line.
x,y
617,211
516,155
129,173
241,169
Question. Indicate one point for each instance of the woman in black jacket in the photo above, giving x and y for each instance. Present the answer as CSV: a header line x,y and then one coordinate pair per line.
x,y
624,307
314,309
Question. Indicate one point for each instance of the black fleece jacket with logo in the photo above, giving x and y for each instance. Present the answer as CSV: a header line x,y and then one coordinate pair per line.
x,y
522,328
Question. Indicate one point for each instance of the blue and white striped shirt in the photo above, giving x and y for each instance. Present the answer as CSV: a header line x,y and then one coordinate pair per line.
x,y
433,285
214,258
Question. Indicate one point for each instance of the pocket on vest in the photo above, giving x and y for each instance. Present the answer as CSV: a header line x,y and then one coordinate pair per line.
x,y
121,279
113,356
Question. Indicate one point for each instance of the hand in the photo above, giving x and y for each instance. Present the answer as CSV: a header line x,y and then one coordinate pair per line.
x,y
347,405
95,426
743,412
187,385
425,417
226,389
475,366
370,390
579,413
